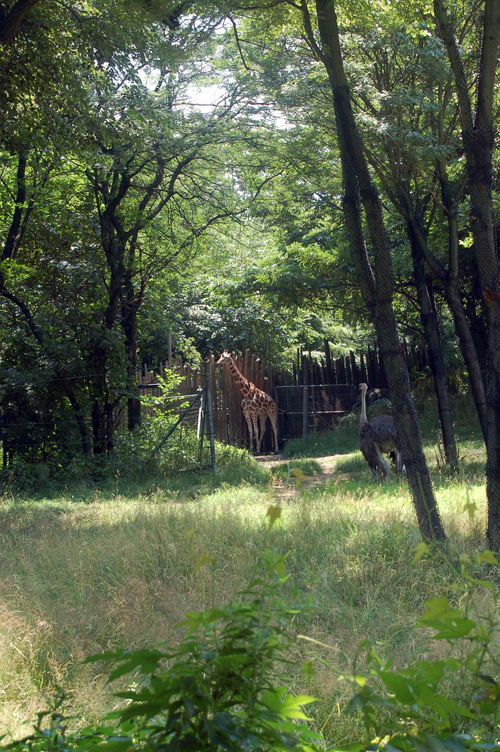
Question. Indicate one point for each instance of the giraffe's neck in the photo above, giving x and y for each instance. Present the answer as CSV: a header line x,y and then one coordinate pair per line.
x,y
241,382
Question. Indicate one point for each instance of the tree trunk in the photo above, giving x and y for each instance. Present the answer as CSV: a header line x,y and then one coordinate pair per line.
x,y
378,289
130,307
455,304
12,239
98,429
468,348
449,278
10,22
80,419
433,340
478,142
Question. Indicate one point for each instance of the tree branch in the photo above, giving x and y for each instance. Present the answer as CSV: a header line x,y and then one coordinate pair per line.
x,y
10,22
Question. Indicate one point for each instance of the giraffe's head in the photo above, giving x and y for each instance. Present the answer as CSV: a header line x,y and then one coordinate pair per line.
x,y
224,358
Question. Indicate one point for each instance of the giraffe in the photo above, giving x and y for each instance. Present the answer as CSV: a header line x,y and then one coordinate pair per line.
x,y
255,403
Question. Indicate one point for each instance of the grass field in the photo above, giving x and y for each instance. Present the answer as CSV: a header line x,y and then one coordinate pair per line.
x,y
97,566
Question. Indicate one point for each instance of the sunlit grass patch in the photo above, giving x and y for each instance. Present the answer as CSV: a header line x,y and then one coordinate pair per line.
x,y
305,466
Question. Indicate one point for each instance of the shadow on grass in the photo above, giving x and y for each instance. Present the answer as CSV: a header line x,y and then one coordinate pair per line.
x,y
144,482
343,439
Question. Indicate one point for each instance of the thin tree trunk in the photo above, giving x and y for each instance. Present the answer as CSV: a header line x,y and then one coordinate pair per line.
x,y
80,419
449,278
130,307
378,289
98,429
15,226
433,339
402,201
478,142
455,304
110,432
469,352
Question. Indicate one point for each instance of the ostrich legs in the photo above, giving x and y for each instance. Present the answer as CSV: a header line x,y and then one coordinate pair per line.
x,y
377,437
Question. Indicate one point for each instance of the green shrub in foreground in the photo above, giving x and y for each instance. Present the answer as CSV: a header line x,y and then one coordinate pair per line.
x,y
451,704
217,691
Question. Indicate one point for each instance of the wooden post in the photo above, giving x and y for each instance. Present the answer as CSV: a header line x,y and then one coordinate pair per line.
x,y
269,374
200,432
328,362
354,370
348,374
305,412
210,415
170,349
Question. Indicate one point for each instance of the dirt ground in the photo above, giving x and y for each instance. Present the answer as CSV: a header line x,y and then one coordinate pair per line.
x,y
286,488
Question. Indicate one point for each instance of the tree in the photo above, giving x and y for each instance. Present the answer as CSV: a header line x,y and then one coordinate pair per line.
x,y
415,152
478,143
377,284
144,175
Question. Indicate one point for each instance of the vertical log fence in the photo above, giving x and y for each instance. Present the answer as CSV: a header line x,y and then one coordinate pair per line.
x,y
313,395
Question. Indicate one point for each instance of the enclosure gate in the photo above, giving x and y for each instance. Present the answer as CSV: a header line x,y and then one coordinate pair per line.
x,y
200,404
302,409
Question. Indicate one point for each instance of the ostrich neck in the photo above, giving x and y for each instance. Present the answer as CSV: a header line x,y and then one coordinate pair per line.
x,y
363,418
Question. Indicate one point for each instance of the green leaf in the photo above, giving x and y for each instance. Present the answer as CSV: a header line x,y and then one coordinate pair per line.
x,y
288,706
435,608
400,686
308,670
452,629
488,556
204,559
274,513
420,550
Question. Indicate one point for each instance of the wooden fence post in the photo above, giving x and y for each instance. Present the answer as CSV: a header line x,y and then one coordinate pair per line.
x,y
210,415
305,412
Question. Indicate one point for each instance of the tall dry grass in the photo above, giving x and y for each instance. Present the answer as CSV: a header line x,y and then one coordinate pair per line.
x,y
89,571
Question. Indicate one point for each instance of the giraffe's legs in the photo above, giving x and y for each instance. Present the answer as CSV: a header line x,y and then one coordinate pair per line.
x,y
274,423
256,431
262,422
250,429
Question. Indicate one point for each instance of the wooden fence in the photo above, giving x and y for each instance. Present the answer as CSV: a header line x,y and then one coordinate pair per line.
x,y
332,389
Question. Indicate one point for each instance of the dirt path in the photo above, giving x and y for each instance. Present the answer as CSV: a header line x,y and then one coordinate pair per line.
x,y
288,488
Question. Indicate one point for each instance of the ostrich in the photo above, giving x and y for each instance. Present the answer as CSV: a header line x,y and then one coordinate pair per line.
x,y
377,437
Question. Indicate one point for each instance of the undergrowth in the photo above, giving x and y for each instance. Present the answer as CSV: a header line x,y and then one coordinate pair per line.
x,y
103,565
227,684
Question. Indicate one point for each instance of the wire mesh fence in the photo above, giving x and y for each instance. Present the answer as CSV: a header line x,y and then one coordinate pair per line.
x,y
318,407
37,430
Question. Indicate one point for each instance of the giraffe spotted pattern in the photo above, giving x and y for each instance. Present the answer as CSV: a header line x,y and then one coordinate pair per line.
x,y
257,406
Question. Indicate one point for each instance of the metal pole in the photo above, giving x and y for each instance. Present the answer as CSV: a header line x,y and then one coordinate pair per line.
x,y
305,412
210,416
201,426
200,415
